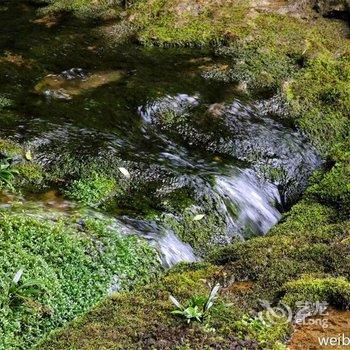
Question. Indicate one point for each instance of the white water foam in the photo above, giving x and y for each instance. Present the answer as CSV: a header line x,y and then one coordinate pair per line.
x,y
254,201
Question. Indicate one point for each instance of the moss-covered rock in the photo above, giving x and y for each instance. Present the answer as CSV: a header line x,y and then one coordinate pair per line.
x,y
91,190
10,148
335,291
319,94
83,8
332,7
203,235
74,263
307,241
19,171
334,187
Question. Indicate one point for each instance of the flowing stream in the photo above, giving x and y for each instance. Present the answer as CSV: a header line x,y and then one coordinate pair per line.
x,y
152,112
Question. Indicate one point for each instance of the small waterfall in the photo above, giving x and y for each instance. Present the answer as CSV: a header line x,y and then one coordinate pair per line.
x,y
248,204
173,250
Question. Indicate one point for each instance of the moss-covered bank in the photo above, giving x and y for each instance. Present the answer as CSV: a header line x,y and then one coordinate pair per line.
x,y
141,320
67,267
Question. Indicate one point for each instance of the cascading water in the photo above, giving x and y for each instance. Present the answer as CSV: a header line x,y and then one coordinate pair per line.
x,y
276,160
245,164
172,249
254,203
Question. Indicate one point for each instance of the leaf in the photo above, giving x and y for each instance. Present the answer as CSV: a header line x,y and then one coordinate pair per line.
x,y
193,313
198,217
209,305
212,296
214,291
175,302
17,276
125,172
177,312
197,300
28,155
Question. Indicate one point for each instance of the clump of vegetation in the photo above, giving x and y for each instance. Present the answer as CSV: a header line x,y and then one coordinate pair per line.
x,y
91,190
319,96
82,8
334,290
203,235
7,173
333,187
197,307
19,293
267,335
5,102
77,264
18,169
10,148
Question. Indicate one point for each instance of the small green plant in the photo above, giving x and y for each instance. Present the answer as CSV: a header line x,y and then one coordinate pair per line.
x,y
197,307
18,292
268,335
7,173
5,102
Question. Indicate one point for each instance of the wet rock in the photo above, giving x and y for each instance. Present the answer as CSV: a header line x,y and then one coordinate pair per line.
x,y
48,20
74,81
332,7
303,8
239,130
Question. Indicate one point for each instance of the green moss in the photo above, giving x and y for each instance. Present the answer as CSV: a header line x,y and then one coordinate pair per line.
x,y
143,318
5,102
320,95
76,266
29,174
335,291
83,8
202,234
10,149
91,190
268,335
305,217
165,23
334,187
178,200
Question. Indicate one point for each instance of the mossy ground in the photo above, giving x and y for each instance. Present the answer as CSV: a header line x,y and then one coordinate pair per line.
x,y
76,263
28,175
83,8
141,320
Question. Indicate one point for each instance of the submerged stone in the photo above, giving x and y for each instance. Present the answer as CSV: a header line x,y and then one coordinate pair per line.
x,y
74,81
